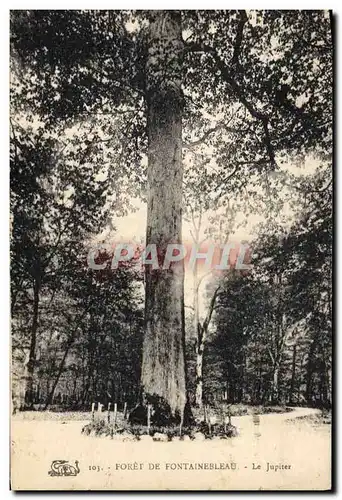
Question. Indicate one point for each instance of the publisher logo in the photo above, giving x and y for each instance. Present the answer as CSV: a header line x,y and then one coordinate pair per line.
x,y
63,468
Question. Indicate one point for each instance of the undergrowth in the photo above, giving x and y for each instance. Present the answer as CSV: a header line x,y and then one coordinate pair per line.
x,y
101,427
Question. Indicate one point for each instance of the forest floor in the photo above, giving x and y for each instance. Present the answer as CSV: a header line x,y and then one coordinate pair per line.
x,y
238,409
60,416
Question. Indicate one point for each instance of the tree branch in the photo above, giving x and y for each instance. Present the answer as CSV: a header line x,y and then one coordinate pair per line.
x,y
189,307
227,74
210,131
207,320
238,40
202,278
271,355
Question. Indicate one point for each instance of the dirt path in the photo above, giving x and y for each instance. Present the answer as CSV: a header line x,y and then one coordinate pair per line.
x,y
270,419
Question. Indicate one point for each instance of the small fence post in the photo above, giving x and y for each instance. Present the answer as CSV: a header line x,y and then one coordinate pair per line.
x,y
229,421
125,410
115,413
205,413
148,418
93,411
209,422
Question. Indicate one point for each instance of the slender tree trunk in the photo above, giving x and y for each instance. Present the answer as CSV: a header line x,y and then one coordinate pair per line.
x,y
324,382
199,341
199,372
70,343
202,334
60,371
29,376
329,382
309,371
293,375
275,383
163,365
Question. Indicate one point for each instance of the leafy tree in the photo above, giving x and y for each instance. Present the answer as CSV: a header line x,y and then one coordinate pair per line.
x,y
57,202
273,326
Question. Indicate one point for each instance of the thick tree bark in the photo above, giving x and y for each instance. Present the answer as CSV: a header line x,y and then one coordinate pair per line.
x,y
163,365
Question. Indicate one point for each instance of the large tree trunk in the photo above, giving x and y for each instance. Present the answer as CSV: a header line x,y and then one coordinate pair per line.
x,y
163,365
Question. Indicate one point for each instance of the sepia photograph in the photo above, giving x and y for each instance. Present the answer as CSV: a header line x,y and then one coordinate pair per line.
x,y
171,250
